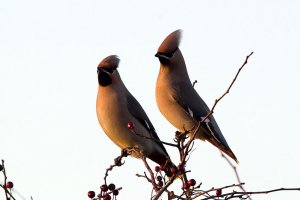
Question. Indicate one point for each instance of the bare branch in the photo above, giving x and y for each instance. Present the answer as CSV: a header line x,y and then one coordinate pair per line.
x,y
228,89
118,162
236,194
216,102
235,172
144,176
163,189
202,192
7,193
151,173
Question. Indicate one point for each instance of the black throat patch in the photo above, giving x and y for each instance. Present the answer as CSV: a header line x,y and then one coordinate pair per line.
x,y
104,78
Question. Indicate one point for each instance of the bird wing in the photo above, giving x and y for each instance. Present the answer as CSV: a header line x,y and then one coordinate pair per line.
x,y
192,103
138,112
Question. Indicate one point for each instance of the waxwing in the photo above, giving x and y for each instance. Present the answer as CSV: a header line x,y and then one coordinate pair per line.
x,y
117,109
177,99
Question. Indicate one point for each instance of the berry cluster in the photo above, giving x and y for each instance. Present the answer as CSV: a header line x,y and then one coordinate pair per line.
x,y
159,175
190,183
107,192
174,170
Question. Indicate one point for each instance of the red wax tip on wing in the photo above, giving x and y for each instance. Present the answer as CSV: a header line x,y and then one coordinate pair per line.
x,y
130,125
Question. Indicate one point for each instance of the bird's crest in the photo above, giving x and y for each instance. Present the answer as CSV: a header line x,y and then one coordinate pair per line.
x,y
171,43
110,62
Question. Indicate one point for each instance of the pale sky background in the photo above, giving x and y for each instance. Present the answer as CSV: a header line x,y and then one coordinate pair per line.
x,y
50,138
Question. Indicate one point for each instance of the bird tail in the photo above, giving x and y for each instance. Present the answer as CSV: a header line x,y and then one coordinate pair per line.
x,y
224,148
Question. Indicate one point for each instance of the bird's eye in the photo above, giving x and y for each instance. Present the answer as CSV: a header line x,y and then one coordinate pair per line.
x,y
169,55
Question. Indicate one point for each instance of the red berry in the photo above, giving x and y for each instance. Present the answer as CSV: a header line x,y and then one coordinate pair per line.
x,y
180,168
159,178
219,192
107,197
160,183
111,187
9,185
130,125
91,194
115,192
173,170
104,188
192,182
157,169
186,185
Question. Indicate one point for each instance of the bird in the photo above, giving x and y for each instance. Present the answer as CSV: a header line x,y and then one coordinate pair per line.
x,y
122,117
177,99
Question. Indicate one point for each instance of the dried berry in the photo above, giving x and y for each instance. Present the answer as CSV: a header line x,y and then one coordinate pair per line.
x,y
91,194
104,188
192,182
111,187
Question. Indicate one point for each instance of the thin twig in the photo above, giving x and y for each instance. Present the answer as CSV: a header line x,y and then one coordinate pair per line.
x,y
164,188
7,193
144,176
216,102
214,189
236,194
151,173
118,162
228,89
235,172
5,180
195,83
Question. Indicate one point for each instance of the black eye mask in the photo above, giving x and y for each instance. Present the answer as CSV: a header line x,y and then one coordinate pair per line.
x,y
104,78
164,58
